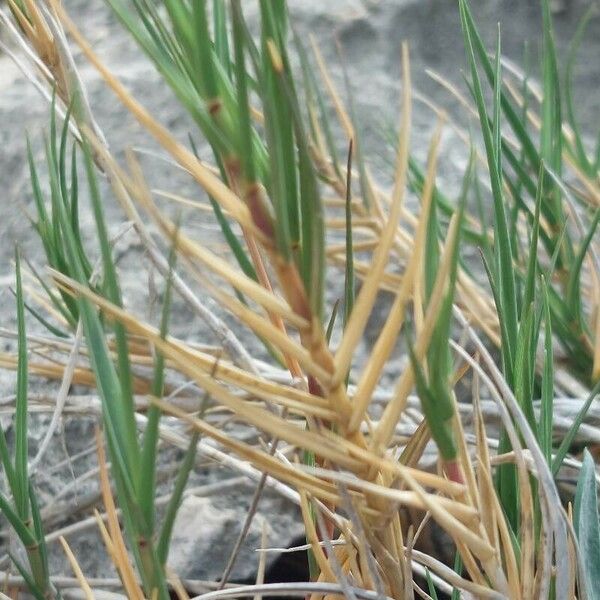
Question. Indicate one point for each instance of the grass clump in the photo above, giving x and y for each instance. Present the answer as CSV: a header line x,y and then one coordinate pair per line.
x,y
291,214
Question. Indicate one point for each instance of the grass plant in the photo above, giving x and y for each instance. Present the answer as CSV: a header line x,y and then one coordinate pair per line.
x,y
293,216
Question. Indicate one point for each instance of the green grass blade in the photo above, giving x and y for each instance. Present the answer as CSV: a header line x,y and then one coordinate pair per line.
x,y
43,321
204,51
531,274
280,135
147,484
164,540
16,523
545,426
573,293
241,78
510,113
496,131
507,360
430,585
43,574
27,578
580,153
525,365
506,279
587,525
107,380
551,127
9,470
56,236
52,296
167,56
62,154
332,319
433,410
458,567
126,413
221,37
565,445
308,210
35,186
349,284
21,491
232,241
313,90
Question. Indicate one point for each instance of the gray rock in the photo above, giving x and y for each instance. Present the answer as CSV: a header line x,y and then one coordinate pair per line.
x,y
206,530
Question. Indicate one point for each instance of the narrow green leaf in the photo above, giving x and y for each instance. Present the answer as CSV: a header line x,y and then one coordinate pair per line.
x,y
510,113
497,133
280,135
436,421
164,540
27,578
245,130
332,319
573,292
506,276
5,457
587,526
313,90
531,275
21,491
147,479
458,568
565,445
309,211
203,50
52,296
525,365
221,37
545,427
349,284
51,328
580,153
16,523
125,406
430,585
43,577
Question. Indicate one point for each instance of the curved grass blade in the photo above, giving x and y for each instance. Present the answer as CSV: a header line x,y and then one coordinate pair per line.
x,y
565,445
587,525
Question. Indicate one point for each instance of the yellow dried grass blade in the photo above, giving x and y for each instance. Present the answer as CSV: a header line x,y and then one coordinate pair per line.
x,y
253,415
217,265
121,558
485,493
370,288
395,406
261,460
83,584
313,539
389,334
393,469
177,585
343,116
261,326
